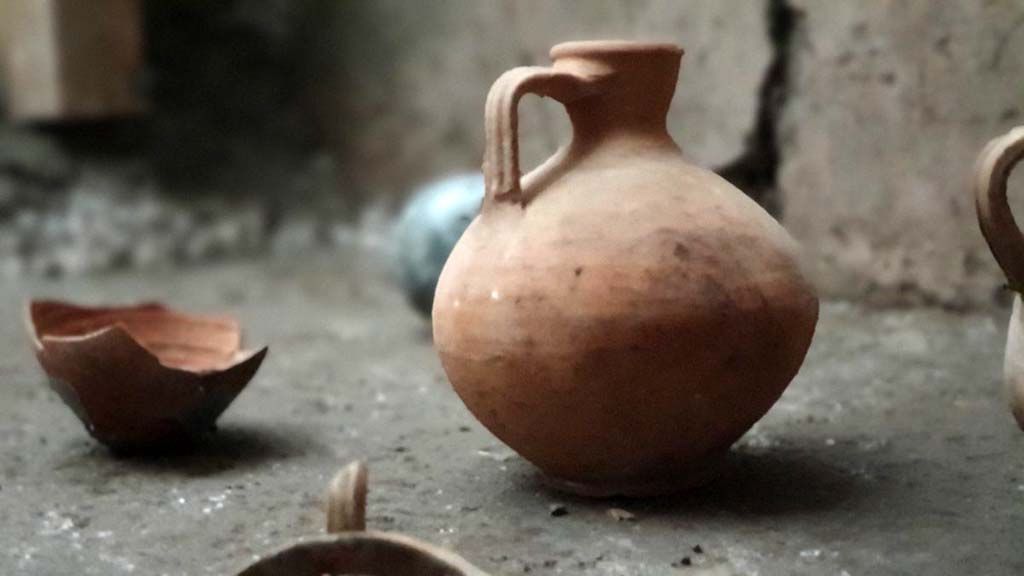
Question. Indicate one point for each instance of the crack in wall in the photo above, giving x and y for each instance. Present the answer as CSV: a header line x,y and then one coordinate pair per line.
x,y
755,170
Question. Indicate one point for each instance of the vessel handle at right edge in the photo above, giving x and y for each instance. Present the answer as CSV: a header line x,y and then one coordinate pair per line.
x,y
501,122
992,172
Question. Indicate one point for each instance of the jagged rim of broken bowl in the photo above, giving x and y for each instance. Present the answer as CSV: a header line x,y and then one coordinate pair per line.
x,y
116,324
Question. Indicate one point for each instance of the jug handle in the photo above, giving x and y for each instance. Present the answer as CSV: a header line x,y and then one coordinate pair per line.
x,y
346,500
501,120
992,171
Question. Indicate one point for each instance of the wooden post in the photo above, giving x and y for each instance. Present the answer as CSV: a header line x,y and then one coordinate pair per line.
x,y
71,59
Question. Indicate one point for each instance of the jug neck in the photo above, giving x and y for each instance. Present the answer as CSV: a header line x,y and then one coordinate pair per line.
x,y
637,81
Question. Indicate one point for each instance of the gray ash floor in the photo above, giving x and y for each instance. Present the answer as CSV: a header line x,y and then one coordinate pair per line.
x,y
891,453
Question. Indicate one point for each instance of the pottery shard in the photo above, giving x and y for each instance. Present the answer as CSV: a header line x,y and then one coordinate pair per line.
x,y
888,104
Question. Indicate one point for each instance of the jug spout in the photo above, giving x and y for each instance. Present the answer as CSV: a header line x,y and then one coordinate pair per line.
x,y
638,81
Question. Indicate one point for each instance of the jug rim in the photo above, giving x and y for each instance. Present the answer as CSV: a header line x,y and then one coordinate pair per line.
x,y
599,47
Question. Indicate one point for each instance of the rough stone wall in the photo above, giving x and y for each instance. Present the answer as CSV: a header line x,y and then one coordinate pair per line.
x,y
888,104
408,91
274,121
225,164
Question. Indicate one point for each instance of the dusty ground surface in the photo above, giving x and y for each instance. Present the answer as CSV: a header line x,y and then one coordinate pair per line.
x,y
891,453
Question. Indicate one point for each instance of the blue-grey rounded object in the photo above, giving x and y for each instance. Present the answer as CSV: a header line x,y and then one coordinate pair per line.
x,y
431,223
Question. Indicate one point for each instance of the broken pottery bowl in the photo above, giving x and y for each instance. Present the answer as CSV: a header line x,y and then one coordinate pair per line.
x,y
141,377
349,549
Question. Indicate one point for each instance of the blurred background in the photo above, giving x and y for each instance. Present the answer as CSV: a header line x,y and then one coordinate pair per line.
x,y
158,133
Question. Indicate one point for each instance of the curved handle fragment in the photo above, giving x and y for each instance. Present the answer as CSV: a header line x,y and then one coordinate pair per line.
x,y
346,499
992,171
501,121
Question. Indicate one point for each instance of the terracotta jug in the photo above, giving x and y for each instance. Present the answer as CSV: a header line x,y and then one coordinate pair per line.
x,y
619,316
992,172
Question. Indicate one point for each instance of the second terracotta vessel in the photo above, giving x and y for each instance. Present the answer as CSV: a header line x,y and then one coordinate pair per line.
x,y
352,550
992,172
619,316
